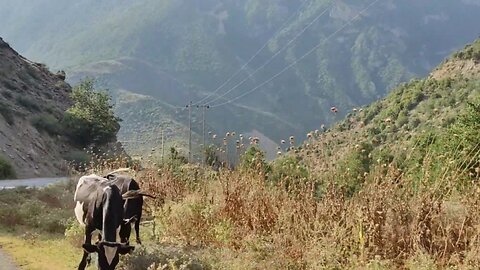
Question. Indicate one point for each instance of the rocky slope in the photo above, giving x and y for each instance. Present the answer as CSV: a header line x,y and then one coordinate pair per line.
x,y
31,99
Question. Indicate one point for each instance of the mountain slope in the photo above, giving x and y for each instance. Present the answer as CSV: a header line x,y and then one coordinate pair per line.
x,y
400,129
32,100
176,51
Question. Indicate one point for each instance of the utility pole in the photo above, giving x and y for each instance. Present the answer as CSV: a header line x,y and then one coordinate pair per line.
x,y
204,109
189,106
163,147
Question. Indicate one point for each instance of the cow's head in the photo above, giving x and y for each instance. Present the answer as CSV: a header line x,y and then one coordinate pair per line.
x,y
108,253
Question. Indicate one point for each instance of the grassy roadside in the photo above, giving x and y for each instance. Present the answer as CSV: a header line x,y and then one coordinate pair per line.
x,y
35,252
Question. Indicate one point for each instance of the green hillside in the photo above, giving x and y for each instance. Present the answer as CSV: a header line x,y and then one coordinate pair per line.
x,y
432,117
180,50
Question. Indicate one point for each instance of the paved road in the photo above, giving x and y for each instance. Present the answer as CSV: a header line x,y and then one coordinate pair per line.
x,y
33,182
6,262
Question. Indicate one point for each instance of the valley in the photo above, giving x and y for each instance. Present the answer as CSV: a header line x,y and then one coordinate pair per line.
x,y
338,135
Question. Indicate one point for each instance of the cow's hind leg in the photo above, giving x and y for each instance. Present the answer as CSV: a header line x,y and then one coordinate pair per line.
x,y
137,231
125,230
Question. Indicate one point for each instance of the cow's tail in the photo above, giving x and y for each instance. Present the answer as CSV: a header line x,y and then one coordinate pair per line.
x,y
133,194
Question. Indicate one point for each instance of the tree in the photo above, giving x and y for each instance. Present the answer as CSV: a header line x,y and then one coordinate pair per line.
x,y
91,119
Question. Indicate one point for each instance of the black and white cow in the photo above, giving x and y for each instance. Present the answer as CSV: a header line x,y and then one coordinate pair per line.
x,y
132,207
99,206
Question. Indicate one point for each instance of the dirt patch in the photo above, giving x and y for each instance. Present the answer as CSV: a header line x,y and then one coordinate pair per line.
x,y
457,69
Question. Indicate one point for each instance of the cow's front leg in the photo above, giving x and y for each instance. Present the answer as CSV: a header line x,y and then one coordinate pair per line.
x,y
86,259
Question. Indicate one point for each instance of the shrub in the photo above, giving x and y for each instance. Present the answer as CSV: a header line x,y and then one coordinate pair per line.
x,y
288,169
464,142
77,158
27,103
254,159
47,123
91,118
6,112
156,258
7,94
45,210
6,169
74,232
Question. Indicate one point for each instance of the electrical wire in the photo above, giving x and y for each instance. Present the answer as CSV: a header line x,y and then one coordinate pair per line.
x,y
273,56
279,30
298,60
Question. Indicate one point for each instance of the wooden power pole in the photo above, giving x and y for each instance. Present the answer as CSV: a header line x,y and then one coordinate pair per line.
x,y
189,106
204,146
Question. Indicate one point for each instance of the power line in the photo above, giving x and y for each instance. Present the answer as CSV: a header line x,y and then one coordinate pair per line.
x,y
255,55
298,60
273,56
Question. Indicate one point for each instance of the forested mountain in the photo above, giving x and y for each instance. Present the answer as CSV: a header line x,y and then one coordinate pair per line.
x,y
173,51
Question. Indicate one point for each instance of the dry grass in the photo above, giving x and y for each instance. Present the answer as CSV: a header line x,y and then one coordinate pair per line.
x,y
238,220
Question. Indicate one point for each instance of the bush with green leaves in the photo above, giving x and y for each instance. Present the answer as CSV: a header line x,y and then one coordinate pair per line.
x,y
288,169
464,139
77,158
46,122
354,166
6,169
91,119
254,159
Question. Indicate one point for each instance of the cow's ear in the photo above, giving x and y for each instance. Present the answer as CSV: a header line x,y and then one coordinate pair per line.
x,y
124,249
110,177
89,248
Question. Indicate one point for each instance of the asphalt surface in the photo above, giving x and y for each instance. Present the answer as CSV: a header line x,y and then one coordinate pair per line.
x,y
6,262
32,182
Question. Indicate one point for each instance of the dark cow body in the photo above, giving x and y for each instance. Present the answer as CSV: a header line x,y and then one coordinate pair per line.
x,y
132,207
100,207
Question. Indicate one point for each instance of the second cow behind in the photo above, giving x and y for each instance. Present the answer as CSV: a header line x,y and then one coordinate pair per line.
x,y
132,207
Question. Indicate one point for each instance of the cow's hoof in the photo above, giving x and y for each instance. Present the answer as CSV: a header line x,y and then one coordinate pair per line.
x,y
139,242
